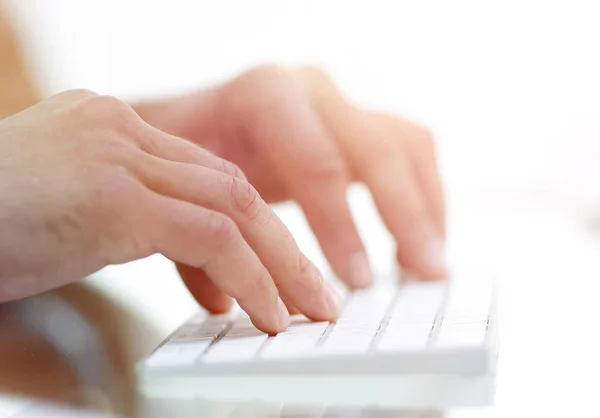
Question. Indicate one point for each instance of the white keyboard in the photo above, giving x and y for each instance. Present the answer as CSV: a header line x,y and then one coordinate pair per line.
x,y
414,344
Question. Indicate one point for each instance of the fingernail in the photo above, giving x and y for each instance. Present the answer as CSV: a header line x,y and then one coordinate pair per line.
x,y
334,301
283,314
359,271
435,257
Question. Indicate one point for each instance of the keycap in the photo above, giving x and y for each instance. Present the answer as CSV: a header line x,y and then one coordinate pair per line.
x,y
290,346
469,298
235,348
175,353
347,343
467,319
240,343
210,327
367,305
404,337
301,325
359,322
461,335
299,338
418,303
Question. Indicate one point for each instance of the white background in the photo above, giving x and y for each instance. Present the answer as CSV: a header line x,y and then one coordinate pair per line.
x,y
511,90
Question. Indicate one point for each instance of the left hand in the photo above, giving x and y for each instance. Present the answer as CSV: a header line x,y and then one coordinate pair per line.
x,y
296,137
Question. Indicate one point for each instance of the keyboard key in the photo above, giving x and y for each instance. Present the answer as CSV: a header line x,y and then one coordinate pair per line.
x,y
290,345
210,328
241,342
179,353
418,303
461,335
348,327
405,337
367,305
235,348
359,322
301,325
299,338
471,298
469,319
346,343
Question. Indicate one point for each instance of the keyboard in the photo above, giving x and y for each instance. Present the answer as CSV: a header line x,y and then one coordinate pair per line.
x,y
424,344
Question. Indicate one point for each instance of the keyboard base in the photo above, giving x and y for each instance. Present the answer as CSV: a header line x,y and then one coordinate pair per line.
x,y
400,391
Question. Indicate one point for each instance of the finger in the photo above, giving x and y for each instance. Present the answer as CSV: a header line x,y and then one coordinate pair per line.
x,y
207,240
290,307
404,211
173,148
421,148
284,125
298,280
389,173
206,293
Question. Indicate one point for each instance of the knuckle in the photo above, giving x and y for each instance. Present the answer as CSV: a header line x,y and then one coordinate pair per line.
x,y
245,199
73,95
266,73
260,87
221,229
325,168
149,142
383,150
107,109
309,276
415,133
304,266
316,74
425,136
231,169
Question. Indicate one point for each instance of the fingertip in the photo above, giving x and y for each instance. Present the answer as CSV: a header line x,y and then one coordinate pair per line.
x,y
270,321
328,307
435,265
283,316
429,264
359,274
310,294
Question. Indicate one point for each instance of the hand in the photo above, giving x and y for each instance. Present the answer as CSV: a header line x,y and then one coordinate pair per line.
x,y
86,183
296,137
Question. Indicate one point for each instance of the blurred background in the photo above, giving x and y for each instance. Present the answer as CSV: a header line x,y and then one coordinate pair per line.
x,y
511,91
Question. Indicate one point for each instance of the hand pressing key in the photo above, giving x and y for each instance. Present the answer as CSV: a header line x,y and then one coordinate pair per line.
x,y
298,138
85,183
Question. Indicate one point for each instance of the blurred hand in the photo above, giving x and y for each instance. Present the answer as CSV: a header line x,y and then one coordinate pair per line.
x,y
296,137
85,183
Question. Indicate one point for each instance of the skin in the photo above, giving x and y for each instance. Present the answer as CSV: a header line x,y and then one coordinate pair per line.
x,y
94,181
